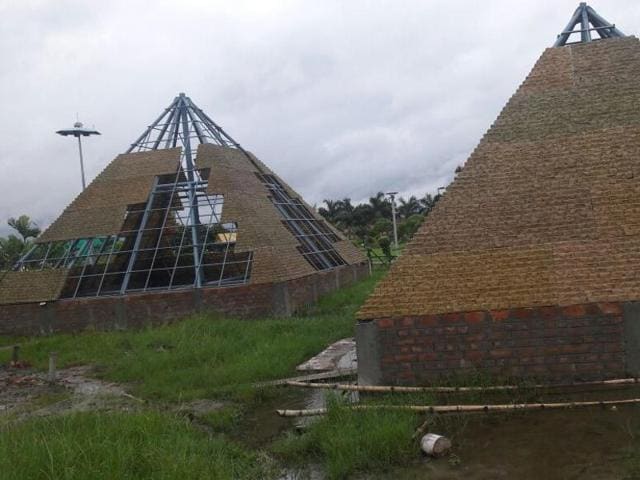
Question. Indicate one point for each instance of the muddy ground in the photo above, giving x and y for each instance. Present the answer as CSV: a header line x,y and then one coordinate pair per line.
x,y
576,444
26,392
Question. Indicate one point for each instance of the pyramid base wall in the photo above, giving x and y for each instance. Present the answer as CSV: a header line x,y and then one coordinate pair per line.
x,y
155,308
578,342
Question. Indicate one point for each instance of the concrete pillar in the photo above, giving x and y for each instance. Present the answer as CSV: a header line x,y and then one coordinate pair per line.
x,y
368,352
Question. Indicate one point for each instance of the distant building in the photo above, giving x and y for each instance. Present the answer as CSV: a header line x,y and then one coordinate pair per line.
x,y
186,220
529,266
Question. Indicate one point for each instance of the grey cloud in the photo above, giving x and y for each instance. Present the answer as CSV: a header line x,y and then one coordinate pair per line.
x,y
340,98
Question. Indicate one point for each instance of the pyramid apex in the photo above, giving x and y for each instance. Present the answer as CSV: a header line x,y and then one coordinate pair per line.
x,y
588,21
184,124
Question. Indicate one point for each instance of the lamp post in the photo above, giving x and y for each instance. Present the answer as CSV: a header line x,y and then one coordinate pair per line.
x,y
79,131
392,196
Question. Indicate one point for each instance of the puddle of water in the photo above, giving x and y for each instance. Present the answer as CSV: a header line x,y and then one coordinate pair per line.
x,y
561,444
262,424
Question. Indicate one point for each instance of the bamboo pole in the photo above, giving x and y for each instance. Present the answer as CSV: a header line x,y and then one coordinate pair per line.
x,y
307,378
464,408
489,388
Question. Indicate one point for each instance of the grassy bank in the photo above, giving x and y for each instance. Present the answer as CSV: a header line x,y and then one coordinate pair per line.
x,y
204,356
346,442
123,446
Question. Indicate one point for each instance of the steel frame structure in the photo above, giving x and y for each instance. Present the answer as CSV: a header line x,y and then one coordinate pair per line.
x,y
176,239
315,237
155,250
585,16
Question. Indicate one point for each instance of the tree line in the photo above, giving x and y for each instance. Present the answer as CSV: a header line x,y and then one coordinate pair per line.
x,y
370,224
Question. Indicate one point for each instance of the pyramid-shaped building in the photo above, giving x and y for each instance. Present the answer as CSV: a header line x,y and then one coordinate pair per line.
x,y
186,220
529,266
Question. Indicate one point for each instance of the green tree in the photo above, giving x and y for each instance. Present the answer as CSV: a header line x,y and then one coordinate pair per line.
x,y
409,207
13,246
410,226
24,226
380,205
385,246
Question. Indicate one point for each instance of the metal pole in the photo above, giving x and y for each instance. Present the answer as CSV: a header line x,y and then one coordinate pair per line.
x,y
395,226
193,207
136,244
585,34
81,162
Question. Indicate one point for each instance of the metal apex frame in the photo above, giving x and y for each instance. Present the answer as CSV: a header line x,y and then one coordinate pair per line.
x,y
586,16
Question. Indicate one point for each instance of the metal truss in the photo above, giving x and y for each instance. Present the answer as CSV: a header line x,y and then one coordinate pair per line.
x,y
315,237
176,239
182,123
586,16
155,250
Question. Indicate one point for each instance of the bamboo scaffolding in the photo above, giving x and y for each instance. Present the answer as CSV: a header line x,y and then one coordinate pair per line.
x,y
489,388
464,408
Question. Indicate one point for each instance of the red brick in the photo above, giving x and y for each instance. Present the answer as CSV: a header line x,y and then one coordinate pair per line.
x,y
474,317
613,347
610,308
452,317
407,322
592,309
499,315
406,375
500,353
522,313
574,311
580,348
385,322
548,313
428,321
474,356
427,357
409,357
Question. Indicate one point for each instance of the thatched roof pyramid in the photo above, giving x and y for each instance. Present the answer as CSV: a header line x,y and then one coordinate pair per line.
x,y
186,208
545,213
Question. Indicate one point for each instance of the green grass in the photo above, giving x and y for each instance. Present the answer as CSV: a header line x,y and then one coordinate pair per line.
x,y
224,420
201,357
122,446
348,441
204,356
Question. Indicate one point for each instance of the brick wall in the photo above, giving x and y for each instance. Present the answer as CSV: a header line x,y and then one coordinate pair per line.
x,y
139,310
585,341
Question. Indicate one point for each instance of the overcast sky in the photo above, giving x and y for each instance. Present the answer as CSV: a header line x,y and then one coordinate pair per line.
x,y
340,98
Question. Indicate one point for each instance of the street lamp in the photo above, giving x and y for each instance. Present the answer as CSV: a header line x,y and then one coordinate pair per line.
x,y
79,131
392,196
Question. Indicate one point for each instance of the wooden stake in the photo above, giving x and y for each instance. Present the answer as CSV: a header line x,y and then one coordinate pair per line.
x,y
490,388
15,355
422,429
51,377
464,408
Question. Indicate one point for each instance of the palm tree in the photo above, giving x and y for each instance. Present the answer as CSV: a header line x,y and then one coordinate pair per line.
x,y
409,207
428,202
331,211
13,247
380,205
24,226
